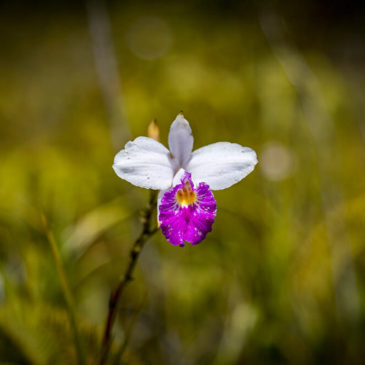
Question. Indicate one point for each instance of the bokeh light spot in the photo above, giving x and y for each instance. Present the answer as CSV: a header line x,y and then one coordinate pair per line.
x,y
277,161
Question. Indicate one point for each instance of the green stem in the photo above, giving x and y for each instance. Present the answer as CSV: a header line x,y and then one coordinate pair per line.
x,y
116,294
128,334
66,291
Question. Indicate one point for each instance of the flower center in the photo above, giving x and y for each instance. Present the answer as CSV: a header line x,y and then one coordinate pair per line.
x,y
186,196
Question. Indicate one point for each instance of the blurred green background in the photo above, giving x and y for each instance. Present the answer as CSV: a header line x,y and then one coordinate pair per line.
x,y
281,279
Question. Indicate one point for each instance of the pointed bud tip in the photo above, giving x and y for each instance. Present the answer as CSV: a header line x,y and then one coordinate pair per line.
x,y
153,131
181,114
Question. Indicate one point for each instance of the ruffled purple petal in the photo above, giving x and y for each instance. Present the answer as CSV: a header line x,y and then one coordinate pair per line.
x,y
187,222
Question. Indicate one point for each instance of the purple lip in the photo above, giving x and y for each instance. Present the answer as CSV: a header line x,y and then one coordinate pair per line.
x,y
187,214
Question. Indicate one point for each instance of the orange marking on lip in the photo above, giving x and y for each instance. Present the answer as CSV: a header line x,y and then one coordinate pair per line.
x,y
186,196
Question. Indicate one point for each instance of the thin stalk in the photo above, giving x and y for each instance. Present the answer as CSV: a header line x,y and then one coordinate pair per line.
x,y
116,294
128,334
66,292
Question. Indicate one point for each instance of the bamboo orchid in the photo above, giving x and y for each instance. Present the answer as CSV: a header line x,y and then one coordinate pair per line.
x,y
186,206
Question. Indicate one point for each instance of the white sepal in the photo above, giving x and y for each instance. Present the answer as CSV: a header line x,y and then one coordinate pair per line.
x,y
180,141
159,198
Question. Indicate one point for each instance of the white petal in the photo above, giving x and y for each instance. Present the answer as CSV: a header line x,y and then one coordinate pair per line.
x,y
221,164
180,141
146,163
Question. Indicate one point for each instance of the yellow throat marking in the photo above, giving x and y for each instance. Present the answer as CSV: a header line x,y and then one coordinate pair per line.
x,y
186,196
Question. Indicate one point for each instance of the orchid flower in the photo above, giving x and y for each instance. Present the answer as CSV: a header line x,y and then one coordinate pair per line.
x,y
186,206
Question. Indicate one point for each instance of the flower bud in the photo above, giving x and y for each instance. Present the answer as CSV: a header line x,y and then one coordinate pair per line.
x,y
153,131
